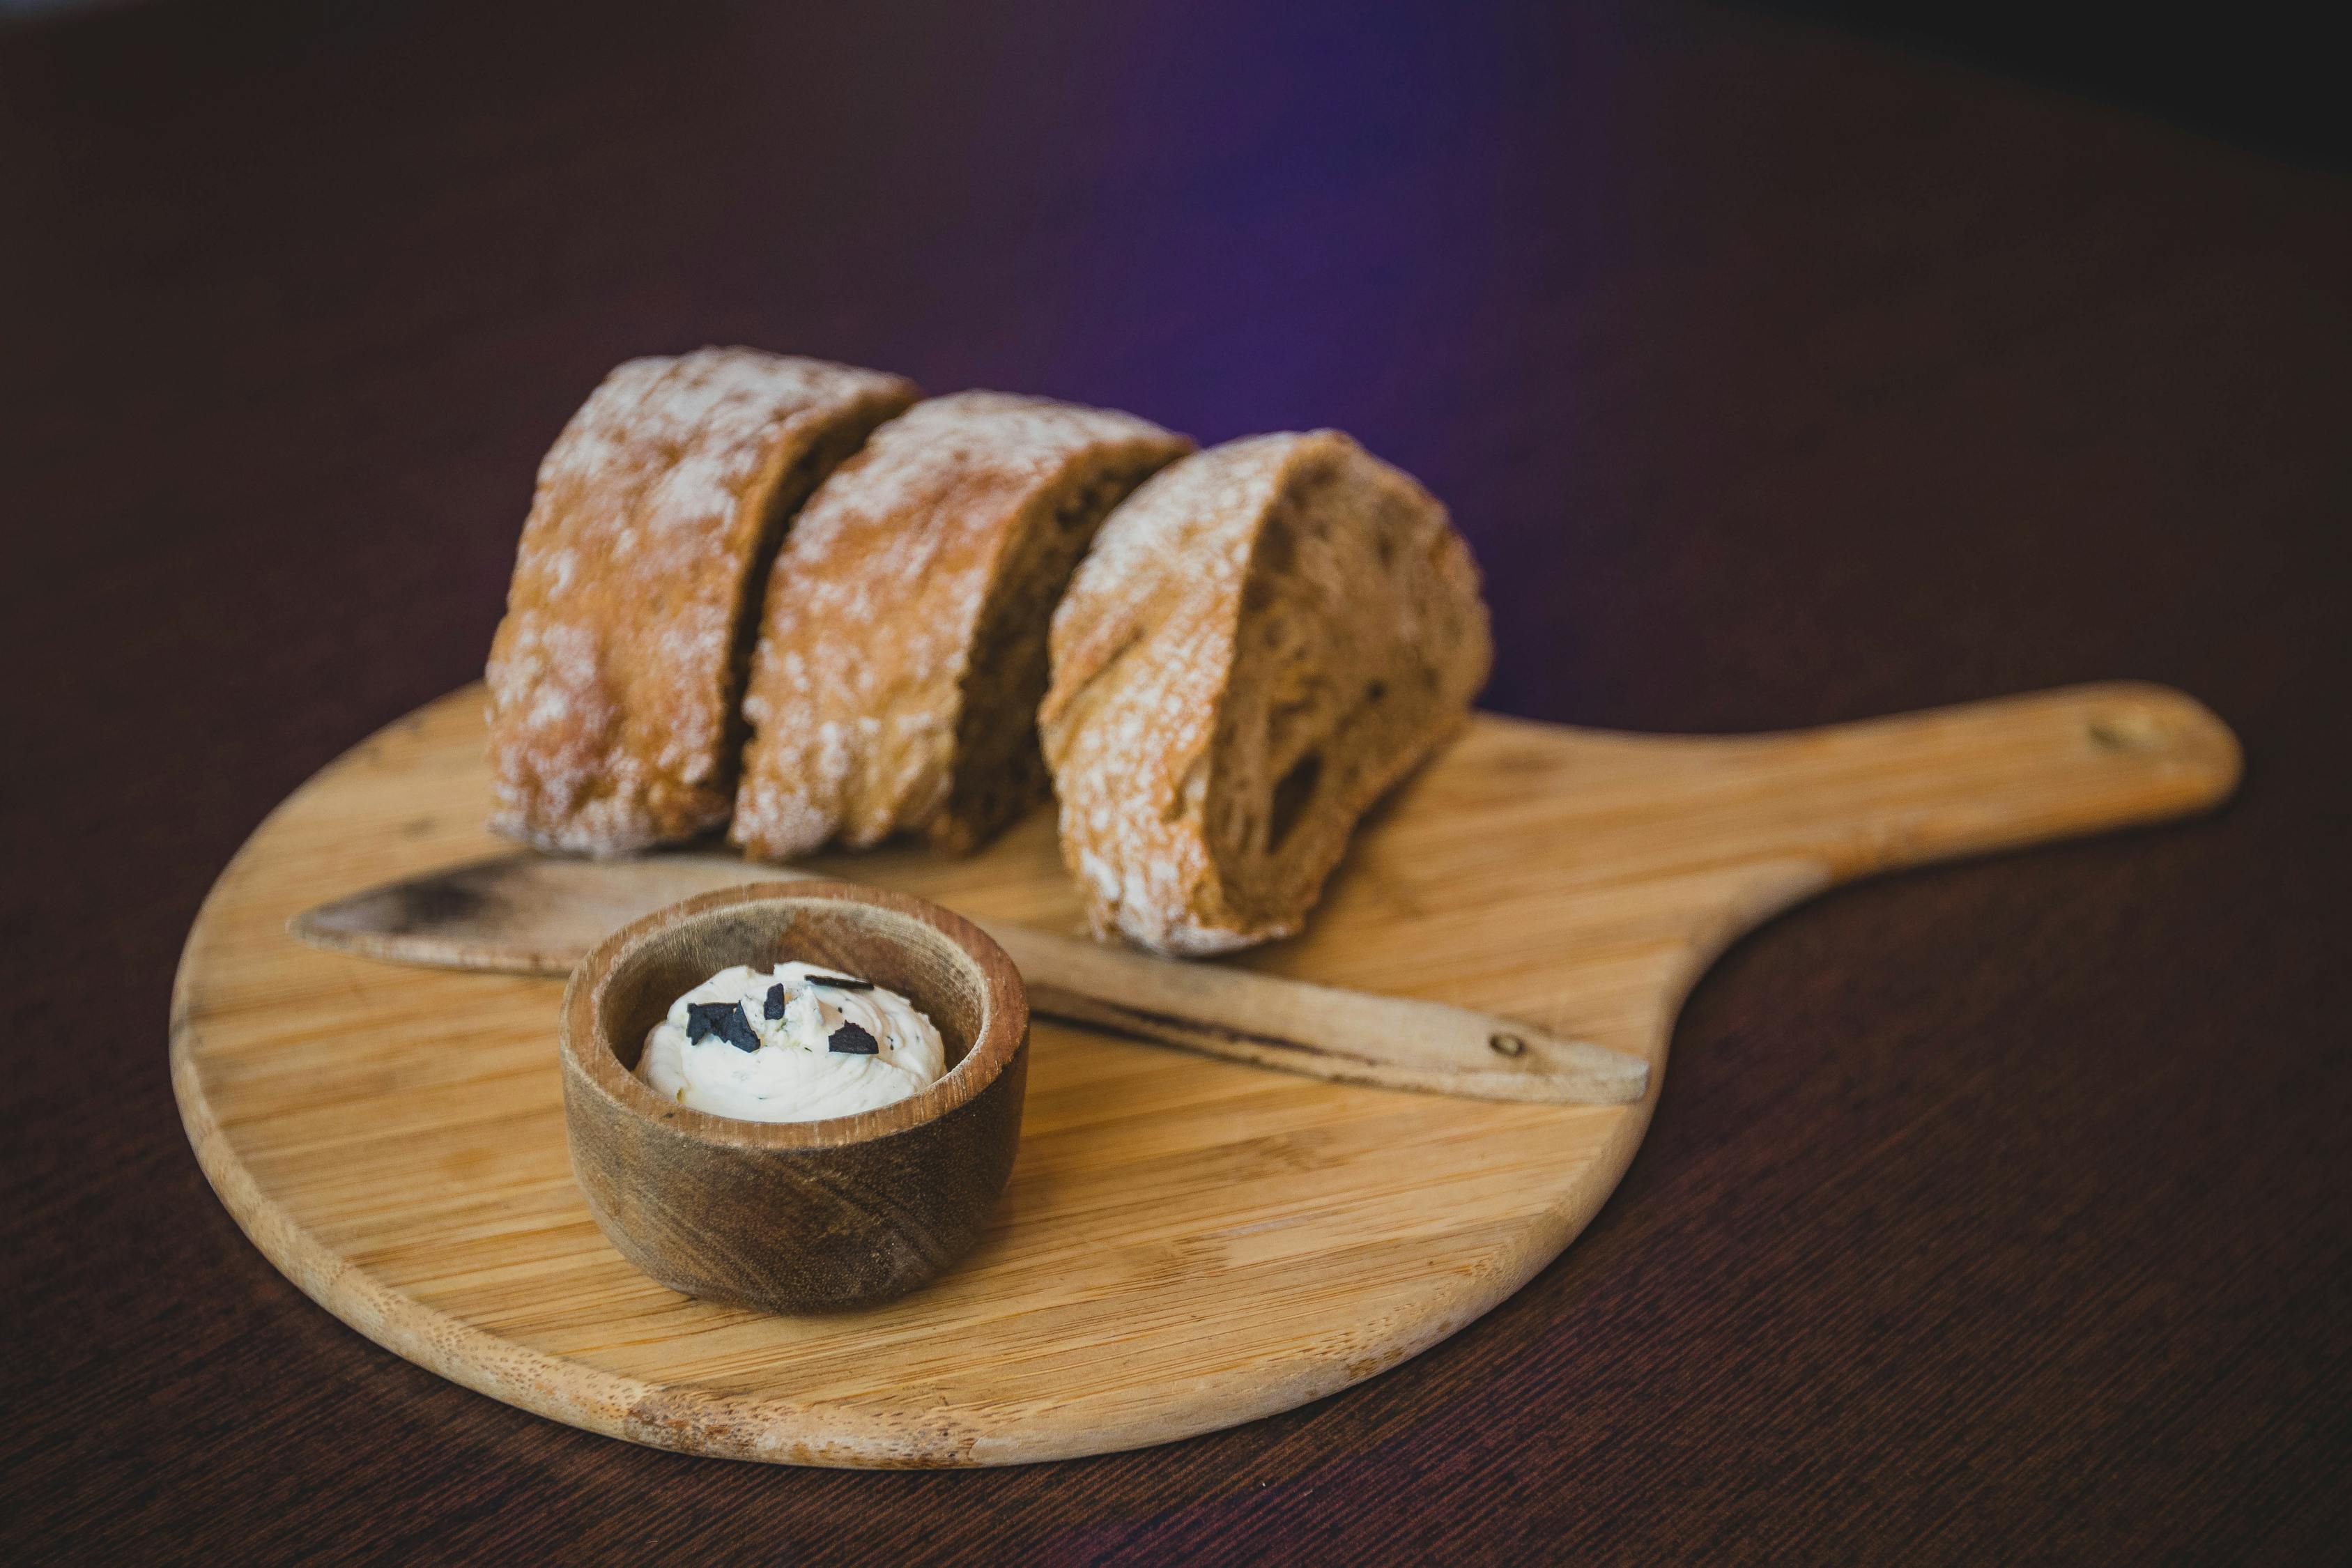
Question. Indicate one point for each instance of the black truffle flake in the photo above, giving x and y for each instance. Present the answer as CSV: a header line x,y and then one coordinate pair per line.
x,y
851,1040
724,1019
774,1006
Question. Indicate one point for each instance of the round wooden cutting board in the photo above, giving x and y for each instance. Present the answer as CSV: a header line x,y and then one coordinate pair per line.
x,y
1186,1244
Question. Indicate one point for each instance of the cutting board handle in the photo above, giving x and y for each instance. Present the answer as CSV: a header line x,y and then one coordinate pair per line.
x,y
1884,793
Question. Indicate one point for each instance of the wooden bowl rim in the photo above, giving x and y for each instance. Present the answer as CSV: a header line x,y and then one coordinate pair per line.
x,y
1005,1022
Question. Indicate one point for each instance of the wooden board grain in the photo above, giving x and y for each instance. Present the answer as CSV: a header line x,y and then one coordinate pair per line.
x,y
1185,1243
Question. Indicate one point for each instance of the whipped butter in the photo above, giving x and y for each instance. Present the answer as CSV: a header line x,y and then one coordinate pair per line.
x,y
795,1043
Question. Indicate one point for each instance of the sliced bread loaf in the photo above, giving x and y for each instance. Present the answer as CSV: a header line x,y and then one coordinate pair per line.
x,y
615,676
1266,637
902,647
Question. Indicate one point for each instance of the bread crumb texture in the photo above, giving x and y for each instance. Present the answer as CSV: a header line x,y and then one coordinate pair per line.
x,y
1266,638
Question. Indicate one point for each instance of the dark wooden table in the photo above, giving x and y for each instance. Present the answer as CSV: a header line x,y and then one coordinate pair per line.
x,y
1992,1214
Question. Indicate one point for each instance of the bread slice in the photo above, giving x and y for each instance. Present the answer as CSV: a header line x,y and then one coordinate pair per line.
x,y
902,650
1267,637
615,677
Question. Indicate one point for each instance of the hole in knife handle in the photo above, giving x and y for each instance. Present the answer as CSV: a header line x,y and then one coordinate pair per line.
x,y
1507,1044
2127,730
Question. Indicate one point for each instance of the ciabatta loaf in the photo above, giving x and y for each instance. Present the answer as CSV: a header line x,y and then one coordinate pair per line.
x,y
615,676
902,647
1265,638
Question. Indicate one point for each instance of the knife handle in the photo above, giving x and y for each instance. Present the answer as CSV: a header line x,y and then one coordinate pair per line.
x,y
1322,1031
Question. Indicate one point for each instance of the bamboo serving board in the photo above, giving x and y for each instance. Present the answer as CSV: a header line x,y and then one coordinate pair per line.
x,y
1186,1244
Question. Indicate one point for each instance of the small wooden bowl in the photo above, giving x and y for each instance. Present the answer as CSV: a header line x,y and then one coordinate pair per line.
x,y
795,1216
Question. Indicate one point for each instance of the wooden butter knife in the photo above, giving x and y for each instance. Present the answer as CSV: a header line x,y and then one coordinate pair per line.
x,y
528,914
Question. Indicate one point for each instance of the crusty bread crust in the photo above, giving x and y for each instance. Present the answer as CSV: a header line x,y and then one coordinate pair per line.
x,y
1266,638
613,678
902,647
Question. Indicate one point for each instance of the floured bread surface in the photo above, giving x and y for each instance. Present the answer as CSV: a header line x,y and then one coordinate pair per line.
x,y
1266,638
615,677
902,649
